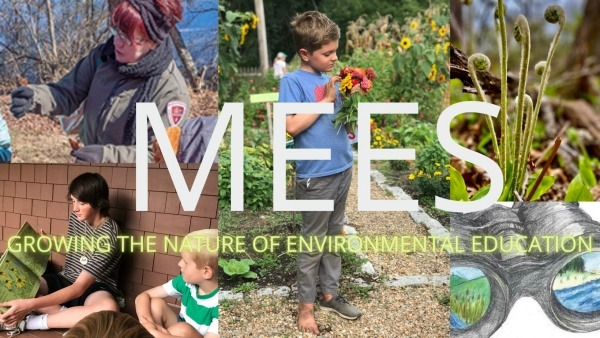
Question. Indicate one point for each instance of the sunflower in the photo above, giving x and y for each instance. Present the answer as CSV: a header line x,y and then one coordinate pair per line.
x,y
226,37
20,282
442,31
434,26
244,32
441,78
8,283
405,43
446,46
411,177
414,25
432,73
254,21
438,47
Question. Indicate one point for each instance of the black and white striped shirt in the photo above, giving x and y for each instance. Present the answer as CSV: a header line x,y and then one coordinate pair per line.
x,y
102,261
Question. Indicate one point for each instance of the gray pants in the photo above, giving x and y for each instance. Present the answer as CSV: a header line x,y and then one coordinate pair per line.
x,y
319,224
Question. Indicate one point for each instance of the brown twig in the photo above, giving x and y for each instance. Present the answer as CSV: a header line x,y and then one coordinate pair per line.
x,y
557,142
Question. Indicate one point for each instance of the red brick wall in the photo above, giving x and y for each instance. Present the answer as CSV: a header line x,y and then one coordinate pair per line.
x,y
36,193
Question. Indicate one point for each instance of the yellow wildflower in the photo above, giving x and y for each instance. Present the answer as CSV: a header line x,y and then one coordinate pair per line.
x,y
441,78
437,164
346,83
447,178
438,47
8,284
420,173
226,37
378,138
446,46
442,31
437,173
405,43
20,282
244,31
433,26
411,176
414,25
432,73
254,21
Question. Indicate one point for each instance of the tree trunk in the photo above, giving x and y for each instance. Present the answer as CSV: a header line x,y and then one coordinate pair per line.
x,y
262,37
456,23
187,60
584,59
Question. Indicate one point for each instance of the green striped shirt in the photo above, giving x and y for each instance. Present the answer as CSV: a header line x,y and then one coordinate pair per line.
x,y
200,311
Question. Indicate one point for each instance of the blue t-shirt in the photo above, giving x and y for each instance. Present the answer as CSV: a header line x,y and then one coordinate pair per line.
x,y
303,86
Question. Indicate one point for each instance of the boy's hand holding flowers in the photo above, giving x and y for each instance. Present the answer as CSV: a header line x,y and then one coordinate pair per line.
x,y
355,83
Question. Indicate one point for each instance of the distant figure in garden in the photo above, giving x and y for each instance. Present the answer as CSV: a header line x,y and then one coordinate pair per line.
x,y
88,281
197,287
279,65
316,40
5,151
134,65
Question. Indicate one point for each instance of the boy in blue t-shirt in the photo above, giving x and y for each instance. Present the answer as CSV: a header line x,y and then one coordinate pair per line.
x,y
316,40
5,151
197,287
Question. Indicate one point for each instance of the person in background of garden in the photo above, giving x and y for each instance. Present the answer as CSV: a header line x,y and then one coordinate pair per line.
x,y
5,150
197,287
279,65
88,282
134,65
316,40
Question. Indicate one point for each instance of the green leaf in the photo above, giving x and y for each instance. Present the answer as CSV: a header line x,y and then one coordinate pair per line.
x,y
458,189
544,186
248,261
481,193
578,192
250,274
587,172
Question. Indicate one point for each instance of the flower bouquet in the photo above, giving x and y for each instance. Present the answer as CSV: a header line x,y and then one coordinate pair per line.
x,y
355,83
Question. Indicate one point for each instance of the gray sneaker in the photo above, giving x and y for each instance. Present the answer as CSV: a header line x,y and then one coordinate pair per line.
x,y
14,330
340,305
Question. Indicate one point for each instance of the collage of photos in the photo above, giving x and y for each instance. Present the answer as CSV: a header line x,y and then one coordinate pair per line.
x,y
233,168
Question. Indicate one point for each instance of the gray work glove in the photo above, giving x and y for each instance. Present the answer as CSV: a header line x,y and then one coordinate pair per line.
x,y
22,101
90,154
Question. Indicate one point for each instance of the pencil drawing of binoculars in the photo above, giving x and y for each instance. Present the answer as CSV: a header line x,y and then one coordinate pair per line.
x,y
548,251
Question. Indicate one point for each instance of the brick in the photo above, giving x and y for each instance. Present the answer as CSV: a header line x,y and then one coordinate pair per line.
x,y
157,201
59,227
75,170
32,220
1,188
214,223
134,275
147,220
211,184
139,288
3,246
40,173
46,192
206,207
119,178
8,204
21,189
199,223
130,184
13,220
60,193
132,219
58,210
154,279
166,264
43,224
126,199
27,172
4,169
112,198
160,180
57,174
14,172
172,224
39,208
172,204
34,190
10,189
7,233
22,206
143,260
2,219
107,173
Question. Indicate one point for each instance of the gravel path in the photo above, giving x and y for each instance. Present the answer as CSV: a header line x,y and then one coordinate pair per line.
x,y
387,311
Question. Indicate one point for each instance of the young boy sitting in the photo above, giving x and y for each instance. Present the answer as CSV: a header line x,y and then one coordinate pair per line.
x,y
316,41
197,287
